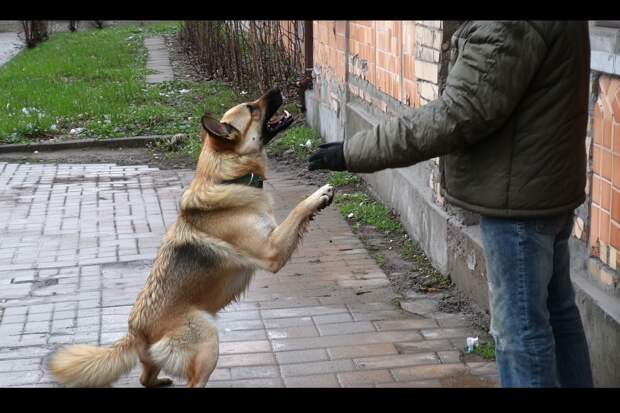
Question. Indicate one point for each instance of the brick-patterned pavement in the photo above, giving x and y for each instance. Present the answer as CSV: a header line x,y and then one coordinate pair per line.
x,y
77,242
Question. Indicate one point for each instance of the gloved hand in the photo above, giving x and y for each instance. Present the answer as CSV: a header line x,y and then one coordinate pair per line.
x,y
328,156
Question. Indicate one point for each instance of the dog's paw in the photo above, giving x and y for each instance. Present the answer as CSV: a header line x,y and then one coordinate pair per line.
x,y
326,196
160,383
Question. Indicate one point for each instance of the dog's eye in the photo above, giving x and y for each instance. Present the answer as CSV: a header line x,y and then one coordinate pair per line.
x,y
251,108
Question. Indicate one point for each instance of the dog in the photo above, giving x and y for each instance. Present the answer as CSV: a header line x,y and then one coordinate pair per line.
x,y
225,231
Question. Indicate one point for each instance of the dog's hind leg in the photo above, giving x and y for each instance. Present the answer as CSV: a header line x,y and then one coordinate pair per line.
x,y
191,349
148,378
202,365
150,371
205,348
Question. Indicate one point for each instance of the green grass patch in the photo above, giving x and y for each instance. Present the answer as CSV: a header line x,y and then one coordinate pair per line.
x,y
302,140
94,83
363,210
343,178
168,27
292,108
486,350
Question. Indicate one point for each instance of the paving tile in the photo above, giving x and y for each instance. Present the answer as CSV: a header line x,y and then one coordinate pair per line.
x,y
358,378
317,380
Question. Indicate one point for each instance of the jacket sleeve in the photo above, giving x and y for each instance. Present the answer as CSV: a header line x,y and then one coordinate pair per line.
x,y
485,84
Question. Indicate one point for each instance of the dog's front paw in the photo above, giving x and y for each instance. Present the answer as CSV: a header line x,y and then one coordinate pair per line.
x,y
326,196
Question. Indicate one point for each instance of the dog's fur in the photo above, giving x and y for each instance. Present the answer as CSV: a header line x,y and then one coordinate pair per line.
x,y
206,260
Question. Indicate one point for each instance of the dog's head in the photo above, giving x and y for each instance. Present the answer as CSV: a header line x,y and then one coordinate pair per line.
x,y
248,127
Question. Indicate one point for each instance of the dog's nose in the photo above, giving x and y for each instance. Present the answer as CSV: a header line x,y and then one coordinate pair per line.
x,y
274,96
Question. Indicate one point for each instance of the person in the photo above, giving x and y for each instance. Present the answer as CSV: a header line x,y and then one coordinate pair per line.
x,y
510,126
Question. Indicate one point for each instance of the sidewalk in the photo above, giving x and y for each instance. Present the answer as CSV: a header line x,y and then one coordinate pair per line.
x,y
77,242
10,44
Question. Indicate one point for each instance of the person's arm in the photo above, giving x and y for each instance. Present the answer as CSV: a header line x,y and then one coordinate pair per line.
x,y
488,80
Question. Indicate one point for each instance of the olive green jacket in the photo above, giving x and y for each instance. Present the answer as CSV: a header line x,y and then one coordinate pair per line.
x,y
511,121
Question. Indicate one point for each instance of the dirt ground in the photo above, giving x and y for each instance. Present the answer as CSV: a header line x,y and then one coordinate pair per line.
x,y
119,156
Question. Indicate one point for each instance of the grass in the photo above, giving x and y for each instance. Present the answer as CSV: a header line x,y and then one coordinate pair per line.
x,y
343,178
365,211
302,140
94,84
359,209
486,350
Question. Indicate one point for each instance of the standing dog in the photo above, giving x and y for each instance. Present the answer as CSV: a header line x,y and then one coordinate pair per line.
x,y
225,231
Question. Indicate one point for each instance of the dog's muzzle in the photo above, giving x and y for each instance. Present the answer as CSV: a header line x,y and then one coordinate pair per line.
x,y
273,125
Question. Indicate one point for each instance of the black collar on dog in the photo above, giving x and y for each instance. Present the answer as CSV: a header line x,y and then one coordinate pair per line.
x,y
249,180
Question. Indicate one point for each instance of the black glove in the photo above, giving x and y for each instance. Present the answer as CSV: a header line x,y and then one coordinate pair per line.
x,y
328,156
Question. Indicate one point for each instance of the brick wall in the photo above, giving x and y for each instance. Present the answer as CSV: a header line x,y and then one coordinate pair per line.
x,y
605,185
390,61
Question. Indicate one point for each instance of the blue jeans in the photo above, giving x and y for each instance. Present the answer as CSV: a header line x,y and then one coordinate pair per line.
x,y
539,338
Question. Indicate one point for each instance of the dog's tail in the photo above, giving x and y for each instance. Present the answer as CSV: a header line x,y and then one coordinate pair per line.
x,y
91,366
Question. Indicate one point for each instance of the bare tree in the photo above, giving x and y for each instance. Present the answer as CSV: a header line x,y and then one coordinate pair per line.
x,y
256,55
35,31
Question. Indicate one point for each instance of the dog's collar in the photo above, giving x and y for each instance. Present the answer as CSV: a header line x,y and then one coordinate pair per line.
x,y
249,180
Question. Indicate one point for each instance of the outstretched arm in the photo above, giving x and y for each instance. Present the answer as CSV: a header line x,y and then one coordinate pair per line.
x,y
487,82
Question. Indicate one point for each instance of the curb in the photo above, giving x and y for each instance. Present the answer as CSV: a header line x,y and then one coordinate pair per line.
x,y
133,142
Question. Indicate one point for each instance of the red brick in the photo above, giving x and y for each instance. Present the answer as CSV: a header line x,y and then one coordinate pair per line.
x,y
607,132
615,105
614,236
615,205
596,159
616,170
603,84
596,189
597,125
605,195
606,164
604,227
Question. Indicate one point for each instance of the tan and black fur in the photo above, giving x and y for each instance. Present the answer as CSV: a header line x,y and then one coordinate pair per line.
x,y
224,232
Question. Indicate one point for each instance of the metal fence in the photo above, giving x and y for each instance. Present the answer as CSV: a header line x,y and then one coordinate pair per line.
x,y
255,55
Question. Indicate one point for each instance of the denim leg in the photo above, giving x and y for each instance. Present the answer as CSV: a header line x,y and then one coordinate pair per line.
x,y
571,348
519,268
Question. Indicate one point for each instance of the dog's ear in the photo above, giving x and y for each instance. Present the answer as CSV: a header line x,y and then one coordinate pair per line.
x,y
218,129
